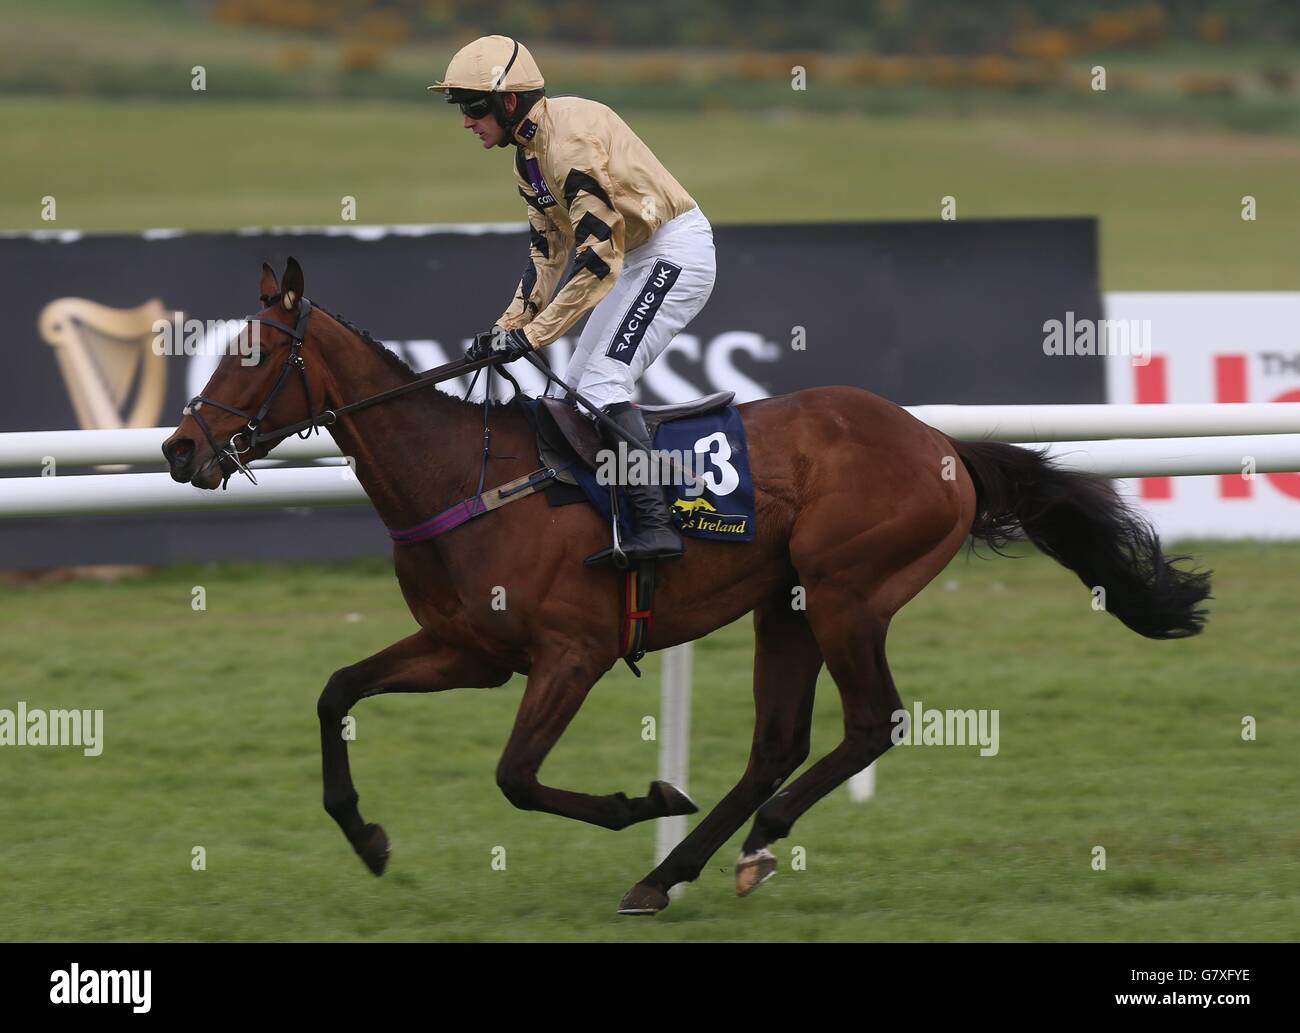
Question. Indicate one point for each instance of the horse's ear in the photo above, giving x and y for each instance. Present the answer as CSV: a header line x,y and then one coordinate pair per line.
x,y
291,283
268,288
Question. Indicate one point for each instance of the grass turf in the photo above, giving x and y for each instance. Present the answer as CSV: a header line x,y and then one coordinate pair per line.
x,y
1169,201
211,740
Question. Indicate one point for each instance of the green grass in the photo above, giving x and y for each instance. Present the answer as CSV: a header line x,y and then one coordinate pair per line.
x,y
211,739
1169,202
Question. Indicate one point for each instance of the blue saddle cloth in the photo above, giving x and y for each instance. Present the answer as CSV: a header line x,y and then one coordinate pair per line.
x,y
715,449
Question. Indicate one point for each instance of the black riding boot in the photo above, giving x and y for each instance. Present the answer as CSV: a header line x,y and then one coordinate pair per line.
x,y
656,536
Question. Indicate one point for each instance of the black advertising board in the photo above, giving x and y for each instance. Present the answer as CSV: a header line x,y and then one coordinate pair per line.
x,y
920,312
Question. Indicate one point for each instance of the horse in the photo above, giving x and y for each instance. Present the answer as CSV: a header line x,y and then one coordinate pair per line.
x,y
858,506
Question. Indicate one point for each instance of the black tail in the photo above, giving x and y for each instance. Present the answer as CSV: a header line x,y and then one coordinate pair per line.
x,y
1081,522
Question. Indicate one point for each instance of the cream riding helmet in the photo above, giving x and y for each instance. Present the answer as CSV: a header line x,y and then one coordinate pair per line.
x,y
484,71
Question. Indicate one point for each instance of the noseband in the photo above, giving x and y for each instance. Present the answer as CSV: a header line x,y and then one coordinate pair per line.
x,y
252,432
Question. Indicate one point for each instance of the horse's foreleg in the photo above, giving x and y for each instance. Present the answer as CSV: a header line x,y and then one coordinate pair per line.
x,y
787,661
558,684
415,664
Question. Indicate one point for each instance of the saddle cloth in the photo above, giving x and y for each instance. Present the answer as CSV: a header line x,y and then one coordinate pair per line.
x,y
704,438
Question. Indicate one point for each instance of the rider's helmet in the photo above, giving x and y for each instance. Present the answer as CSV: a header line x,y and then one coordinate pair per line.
x,y
482,72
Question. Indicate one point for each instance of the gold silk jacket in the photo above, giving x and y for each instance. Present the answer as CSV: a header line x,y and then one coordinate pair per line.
x,y
592,188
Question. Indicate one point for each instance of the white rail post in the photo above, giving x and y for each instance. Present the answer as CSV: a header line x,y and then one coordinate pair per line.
x,y
157,492
1089,421
133,445
674,731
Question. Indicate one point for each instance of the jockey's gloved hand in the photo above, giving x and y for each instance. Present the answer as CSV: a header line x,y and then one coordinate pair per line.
x,y
513,344
481,346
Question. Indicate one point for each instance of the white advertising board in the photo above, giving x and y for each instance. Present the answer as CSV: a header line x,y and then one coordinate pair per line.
x,y
1212,347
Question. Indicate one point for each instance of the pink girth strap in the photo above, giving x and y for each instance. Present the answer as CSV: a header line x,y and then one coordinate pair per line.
x,y
476,505
443,522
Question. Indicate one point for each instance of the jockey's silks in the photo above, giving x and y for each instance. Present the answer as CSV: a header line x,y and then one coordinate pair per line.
x,y
593,190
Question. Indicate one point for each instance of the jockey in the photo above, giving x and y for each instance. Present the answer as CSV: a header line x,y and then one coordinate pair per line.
x,y
643,259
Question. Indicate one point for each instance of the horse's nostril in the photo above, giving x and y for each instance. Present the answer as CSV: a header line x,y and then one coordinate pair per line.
x,y
178,451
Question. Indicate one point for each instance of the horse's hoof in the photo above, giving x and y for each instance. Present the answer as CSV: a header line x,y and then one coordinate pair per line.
x,y
674,801
643,900
752,870
374,848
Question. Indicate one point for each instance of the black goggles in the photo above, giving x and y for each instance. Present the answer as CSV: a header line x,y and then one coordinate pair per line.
x,y
479,107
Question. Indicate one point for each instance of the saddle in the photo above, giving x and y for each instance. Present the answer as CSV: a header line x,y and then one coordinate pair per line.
x,y
564,432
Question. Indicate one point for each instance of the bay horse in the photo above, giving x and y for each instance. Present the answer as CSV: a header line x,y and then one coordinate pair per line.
x,y
857,503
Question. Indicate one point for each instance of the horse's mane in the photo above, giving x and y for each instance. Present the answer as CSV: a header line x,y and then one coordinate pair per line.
x,y
387,354
398,363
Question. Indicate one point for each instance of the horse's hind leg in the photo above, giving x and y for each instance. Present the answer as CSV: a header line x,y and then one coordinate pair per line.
x,y
786,664
857,662
850,602
417,663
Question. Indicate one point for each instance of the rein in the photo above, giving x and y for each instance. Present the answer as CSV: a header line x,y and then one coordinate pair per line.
x,y
476,505
252,433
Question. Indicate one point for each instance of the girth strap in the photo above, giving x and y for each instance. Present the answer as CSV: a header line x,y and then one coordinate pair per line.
x,y
474,506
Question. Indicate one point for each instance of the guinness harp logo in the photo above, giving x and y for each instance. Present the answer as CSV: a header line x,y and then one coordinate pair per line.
x,y
112,375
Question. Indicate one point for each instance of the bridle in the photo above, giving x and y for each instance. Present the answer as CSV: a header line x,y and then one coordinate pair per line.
x,y
252,433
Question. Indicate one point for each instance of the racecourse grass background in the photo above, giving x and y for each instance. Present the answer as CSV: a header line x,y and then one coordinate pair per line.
x,y
1169,200
211,739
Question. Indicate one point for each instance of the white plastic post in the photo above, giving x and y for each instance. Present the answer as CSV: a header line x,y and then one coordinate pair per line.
x,y
674,731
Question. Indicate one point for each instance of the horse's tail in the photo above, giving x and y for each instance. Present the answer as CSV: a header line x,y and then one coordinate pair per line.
x,y
1080,521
